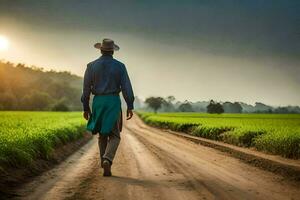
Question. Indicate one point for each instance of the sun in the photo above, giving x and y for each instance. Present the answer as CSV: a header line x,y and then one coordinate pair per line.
x,y
4,43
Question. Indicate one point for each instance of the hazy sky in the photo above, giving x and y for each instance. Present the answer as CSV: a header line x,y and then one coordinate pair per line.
x,y
196,50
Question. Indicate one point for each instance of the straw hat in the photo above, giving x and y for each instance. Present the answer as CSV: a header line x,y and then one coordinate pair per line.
x,y
107,45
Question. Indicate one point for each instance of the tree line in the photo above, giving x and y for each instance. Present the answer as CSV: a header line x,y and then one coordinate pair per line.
x,y
169,104
32,88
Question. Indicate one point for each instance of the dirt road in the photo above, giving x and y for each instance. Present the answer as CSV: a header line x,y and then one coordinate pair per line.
x,y
152,164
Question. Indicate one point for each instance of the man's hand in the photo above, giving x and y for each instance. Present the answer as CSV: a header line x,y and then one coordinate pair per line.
x,y
86,115
129,114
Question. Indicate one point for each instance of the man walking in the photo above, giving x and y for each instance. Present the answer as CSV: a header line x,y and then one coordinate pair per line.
x,y
105,78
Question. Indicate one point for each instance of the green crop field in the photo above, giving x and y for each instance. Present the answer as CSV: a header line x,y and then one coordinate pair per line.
x,y
273,133
26,136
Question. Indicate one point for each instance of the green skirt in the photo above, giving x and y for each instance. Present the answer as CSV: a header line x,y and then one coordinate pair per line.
x,y
106,111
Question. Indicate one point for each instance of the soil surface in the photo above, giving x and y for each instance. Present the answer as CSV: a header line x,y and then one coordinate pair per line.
x,y
152,164
15,177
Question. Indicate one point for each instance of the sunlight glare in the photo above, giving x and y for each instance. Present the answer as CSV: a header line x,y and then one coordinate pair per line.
x,y
3,43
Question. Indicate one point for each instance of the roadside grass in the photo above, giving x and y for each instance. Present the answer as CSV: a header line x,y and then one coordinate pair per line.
x,y
272,133
26,136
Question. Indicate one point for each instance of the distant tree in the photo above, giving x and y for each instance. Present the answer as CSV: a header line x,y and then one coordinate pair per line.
x,y
261,108
232,107
60,106
185,107
281,110
155,103
227,106
293,109
214,107
7,101
58,89
237,108
168,105
270,111
21,86
170,99
199,106
210,107
218,108
37,101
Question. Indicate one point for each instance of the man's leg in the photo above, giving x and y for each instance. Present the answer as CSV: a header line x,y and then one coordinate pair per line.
x,y
112,144
102,143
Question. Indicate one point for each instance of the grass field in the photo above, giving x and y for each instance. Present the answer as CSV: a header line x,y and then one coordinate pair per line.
x,y
273,133
26,136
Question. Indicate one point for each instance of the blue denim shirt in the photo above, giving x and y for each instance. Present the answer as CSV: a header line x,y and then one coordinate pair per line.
x,y
106,75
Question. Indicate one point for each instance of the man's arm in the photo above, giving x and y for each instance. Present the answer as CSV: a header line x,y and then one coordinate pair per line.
x,y
85,98
127,92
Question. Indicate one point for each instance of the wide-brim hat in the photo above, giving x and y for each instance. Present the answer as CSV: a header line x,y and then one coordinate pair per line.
x,y
107,45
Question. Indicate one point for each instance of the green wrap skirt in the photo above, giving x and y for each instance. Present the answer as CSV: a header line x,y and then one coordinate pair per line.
x,y
106,112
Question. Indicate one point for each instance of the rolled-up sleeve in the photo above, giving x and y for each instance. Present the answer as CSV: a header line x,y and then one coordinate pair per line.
x,y
87,84
127,89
